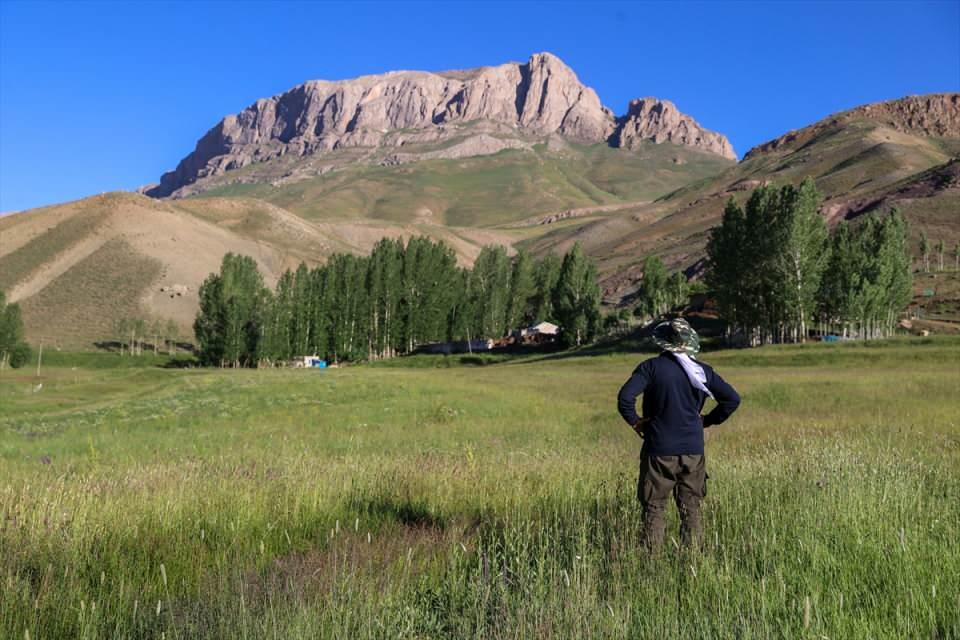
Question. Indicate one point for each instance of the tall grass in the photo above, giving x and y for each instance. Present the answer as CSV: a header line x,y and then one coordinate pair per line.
x,y
492,501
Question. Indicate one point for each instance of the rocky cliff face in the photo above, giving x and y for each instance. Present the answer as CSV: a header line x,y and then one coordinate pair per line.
x,y
936,115
661,121
540,98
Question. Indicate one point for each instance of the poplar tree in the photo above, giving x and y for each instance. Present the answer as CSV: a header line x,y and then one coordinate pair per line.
x,y
940,254
868,280
278,322
173,334
300,311
320,291
461,313
801,255
436,275
489,290
14,350
546,273
727,266
654,290
679,289
228,326
120,332
577,298
843,276
520,307
209,325
347,303
765,263
384,286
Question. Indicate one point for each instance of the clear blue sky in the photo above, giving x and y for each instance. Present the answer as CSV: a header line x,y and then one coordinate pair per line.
x,y
102,96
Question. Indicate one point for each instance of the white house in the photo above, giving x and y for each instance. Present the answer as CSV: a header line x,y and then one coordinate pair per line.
x,y
540,332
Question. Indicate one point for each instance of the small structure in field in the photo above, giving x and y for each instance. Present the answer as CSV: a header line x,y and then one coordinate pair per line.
x,y
309,362
540,333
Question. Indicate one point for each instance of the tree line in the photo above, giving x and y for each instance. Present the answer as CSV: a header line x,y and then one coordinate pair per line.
x,y
775,270
659,291
132,335
388,303
14,350
939,247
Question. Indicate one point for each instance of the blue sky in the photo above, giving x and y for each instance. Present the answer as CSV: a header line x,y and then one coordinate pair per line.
x,y
96,96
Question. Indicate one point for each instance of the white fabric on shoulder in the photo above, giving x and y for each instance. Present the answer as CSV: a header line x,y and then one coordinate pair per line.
x,y
694,372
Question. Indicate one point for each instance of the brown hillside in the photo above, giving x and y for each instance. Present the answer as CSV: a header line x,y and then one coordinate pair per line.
x,y
76,267
866,160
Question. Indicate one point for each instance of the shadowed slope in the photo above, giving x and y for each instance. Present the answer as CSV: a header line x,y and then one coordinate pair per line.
x,y
865,160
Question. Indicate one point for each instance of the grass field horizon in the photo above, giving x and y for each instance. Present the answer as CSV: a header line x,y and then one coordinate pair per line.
x,y
493,501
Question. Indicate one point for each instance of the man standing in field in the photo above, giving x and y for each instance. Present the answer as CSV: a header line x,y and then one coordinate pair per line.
x,y
674,388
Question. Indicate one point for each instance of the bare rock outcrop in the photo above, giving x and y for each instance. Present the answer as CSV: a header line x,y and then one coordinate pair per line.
x,y
936,115
661,121
479,145
541,98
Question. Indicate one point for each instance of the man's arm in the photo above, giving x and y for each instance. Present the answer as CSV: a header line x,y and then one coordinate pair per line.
x,y
627,398
727,400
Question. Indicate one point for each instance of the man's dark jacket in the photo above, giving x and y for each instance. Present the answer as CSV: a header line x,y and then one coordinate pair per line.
x,y
673,405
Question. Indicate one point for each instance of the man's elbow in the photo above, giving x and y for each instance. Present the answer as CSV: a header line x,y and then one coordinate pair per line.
x,y
626,402
732,402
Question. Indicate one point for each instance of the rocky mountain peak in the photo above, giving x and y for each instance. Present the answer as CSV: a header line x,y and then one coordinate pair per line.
x,y
661,121
542,97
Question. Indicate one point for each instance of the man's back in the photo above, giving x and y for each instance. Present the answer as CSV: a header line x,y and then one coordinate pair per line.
x,y
674,388
672,405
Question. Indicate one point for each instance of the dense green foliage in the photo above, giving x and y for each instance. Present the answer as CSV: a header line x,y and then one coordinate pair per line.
x,y
868,281
232,305
14,350
483,502
577,298
660,292
399,297
774,269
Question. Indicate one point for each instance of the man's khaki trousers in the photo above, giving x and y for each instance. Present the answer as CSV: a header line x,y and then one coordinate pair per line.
x,y
686,478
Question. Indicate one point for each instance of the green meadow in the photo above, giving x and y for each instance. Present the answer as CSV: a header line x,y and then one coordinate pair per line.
x,y
476,498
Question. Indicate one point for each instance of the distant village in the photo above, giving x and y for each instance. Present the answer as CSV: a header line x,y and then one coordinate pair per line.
x,y
538,335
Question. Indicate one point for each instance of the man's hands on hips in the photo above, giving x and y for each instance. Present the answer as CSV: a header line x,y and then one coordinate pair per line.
x,y
641,426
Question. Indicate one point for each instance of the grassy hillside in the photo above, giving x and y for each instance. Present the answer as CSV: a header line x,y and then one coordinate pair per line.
x,y
483,191
46,255
493,502
79,306
861,166
77,267
51,238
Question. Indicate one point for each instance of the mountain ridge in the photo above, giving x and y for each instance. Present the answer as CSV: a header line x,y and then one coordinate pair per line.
x,y
542,97
932,115
864,161
76,266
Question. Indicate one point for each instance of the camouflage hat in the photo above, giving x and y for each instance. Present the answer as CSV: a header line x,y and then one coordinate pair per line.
x,y
677,336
